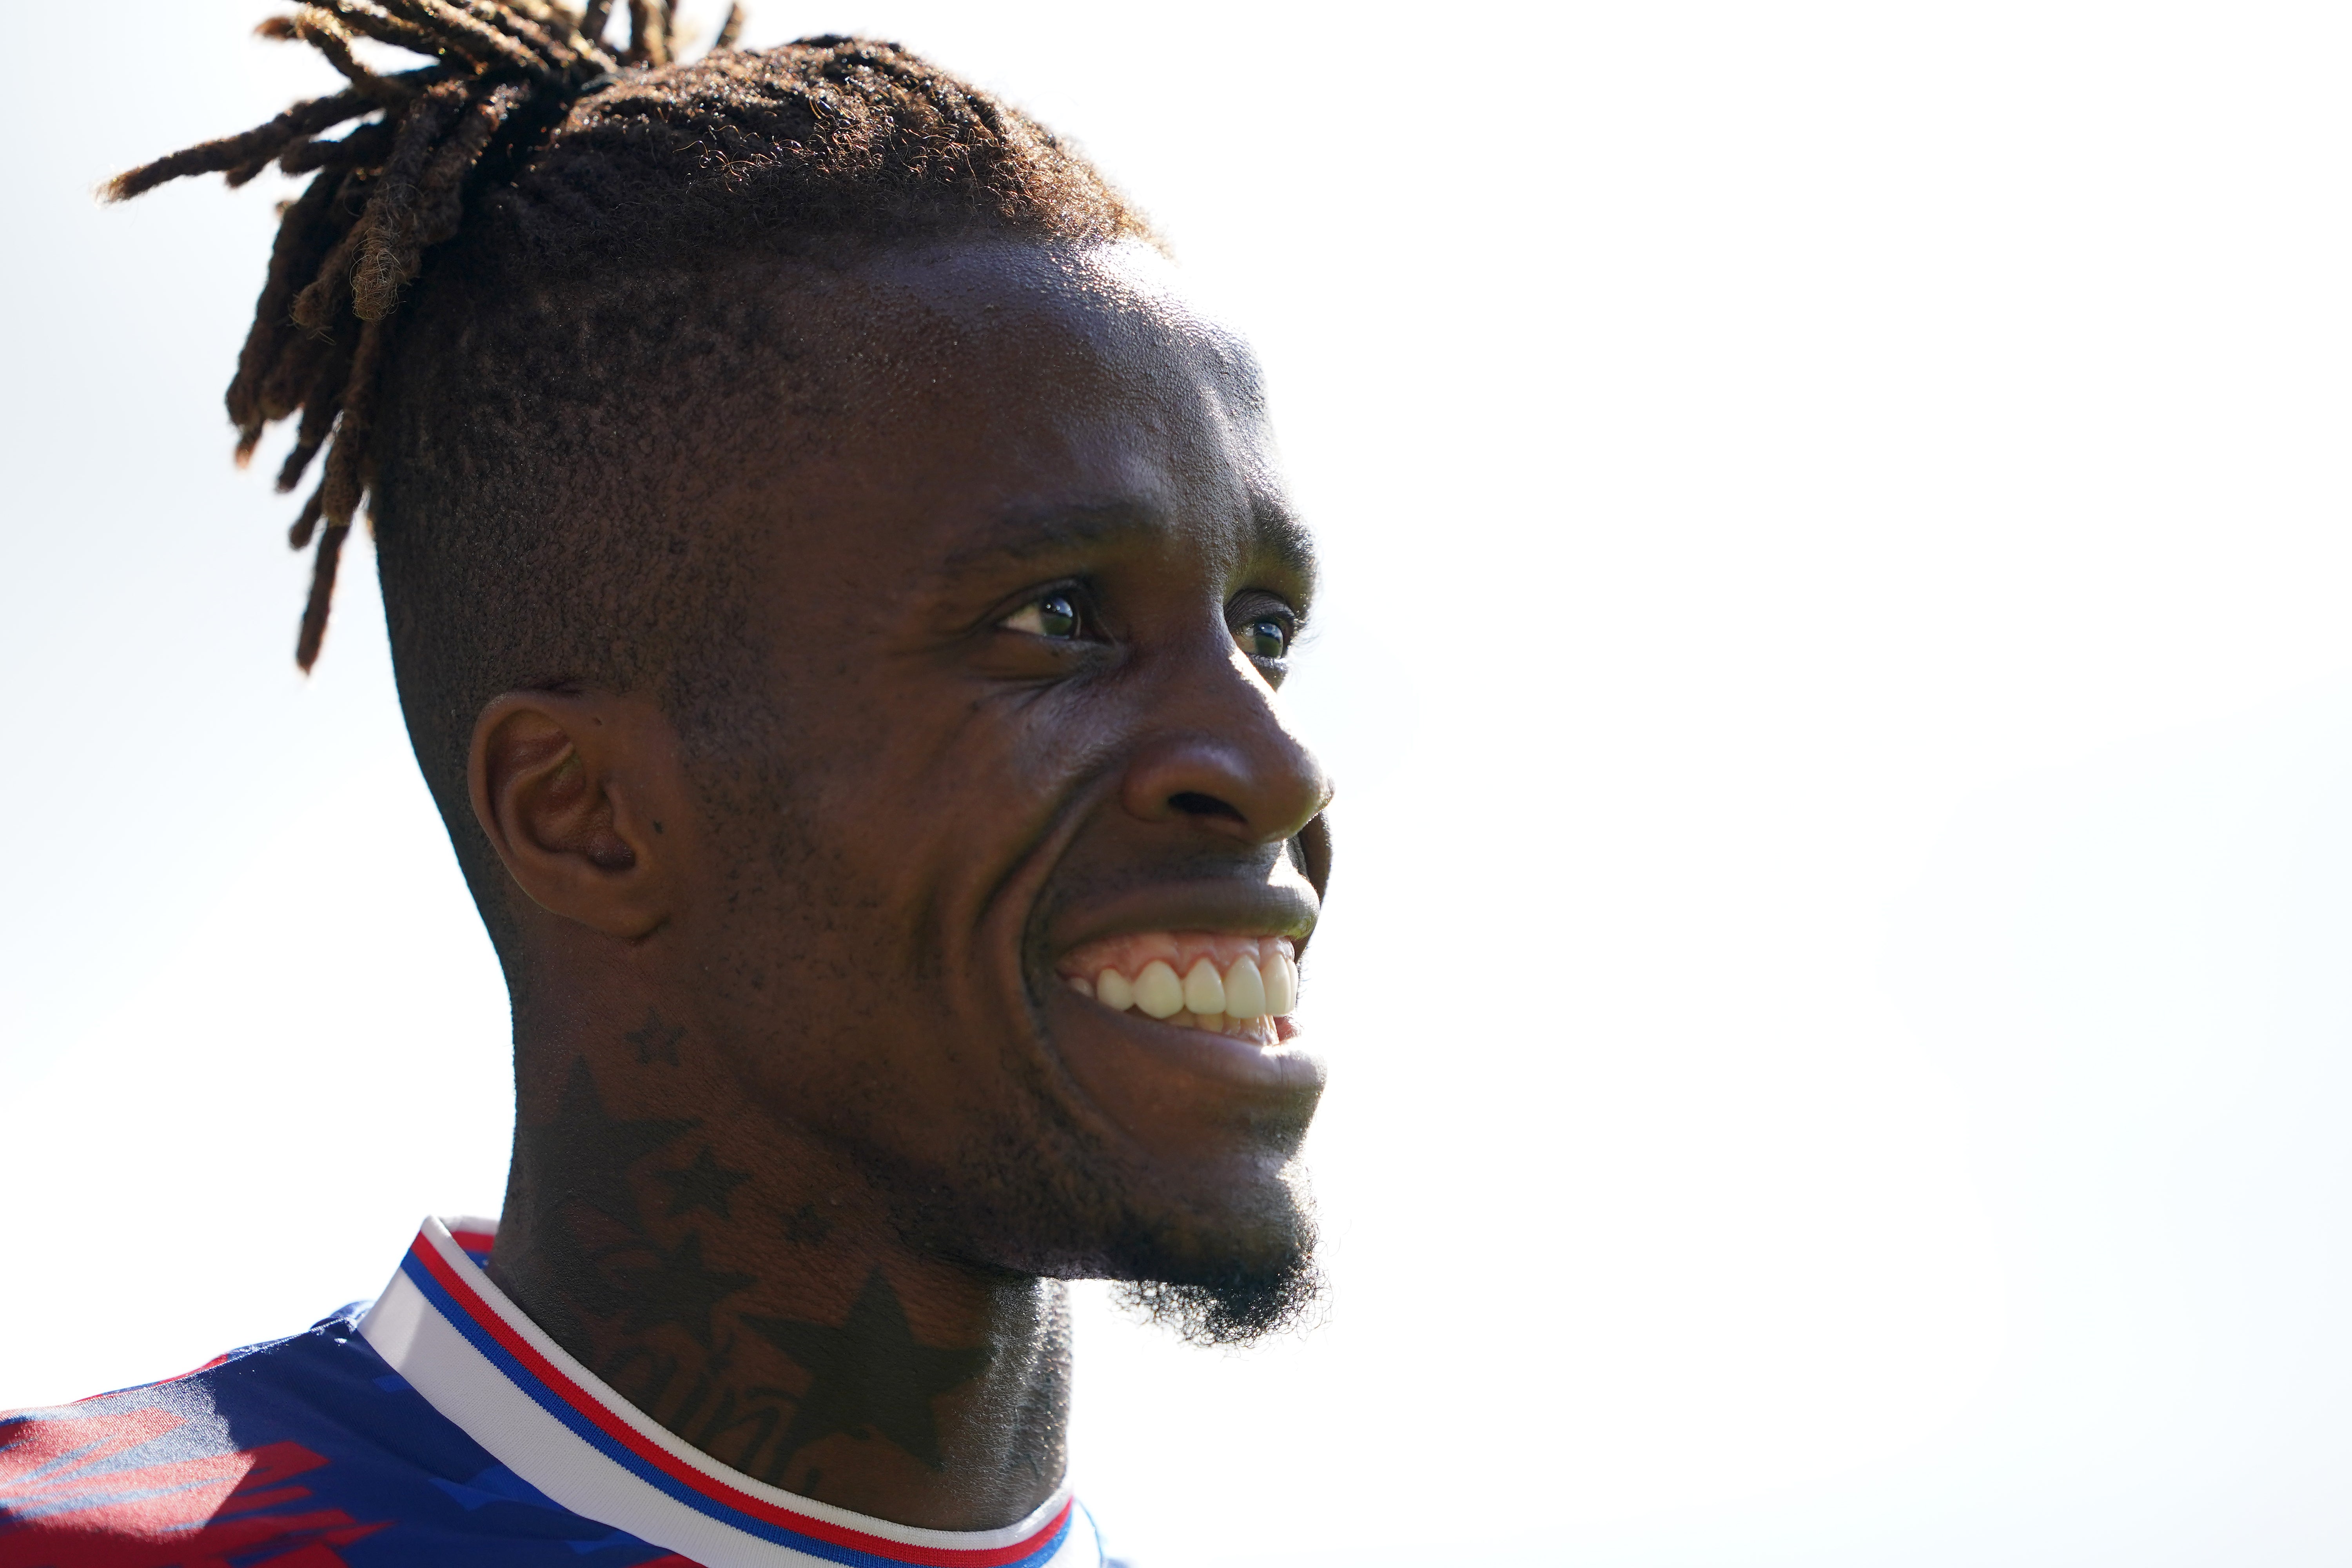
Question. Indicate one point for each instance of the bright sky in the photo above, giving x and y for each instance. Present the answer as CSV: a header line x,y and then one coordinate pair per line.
x,y
1839,978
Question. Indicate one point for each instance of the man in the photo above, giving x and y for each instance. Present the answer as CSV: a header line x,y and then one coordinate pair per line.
x,y
837,584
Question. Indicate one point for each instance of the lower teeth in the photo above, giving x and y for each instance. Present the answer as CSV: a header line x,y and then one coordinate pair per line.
x,y
1216,1023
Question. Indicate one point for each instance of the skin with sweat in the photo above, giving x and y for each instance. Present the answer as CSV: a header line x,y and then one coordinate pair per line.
x,y
811,1126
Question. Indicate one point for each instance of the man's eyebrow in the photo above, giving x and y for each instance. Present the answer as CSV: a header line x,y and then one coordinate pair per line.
x,y
1284,535
1025,533
1028,533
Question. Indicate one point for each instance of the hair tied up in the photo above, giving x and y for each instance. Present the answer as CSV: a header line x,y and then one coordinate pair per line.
x,y
382,194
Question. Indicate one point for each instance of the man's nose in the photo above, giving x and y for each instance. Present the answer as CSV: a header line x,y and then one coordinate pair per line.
x,y
1220,757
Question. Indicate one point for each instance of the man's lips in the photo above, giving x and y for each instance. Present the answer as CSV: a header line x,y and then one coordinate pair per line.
x,y
1207,1080
1236,906
1214,954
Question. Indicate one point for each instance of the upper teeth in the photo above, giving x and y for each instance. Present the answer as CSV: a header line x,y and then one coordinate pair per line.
x,y
1222,976
1158,991
1245,989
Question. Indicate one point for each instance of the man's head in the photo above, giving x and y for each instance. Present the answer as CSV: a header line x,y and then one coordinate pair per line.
x,y
838,584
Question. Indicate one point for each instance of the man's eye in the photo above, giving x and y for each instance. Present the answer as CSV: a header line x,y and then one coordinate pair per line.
x,y
1052,617
1267,638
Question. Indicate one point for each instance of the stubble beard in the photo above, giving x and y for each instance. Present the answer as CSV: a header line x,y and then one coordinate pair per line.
x,y
1050,1203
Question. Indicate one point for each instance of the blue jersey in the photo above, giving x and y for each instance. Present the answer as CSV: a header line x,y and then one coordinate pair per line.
x,y
436,1426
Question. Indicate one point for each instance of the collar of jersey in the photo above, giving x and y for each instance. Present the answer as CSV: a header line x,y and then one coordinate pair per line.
x,y
458,1339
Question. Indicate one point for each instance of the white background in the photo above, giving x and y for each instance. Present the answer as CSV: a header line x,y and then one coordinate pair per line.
x,y
1839,974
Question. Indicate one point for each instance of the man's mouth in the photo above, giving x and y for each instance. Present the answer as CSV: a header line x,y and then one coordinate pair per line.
x,y
1240,986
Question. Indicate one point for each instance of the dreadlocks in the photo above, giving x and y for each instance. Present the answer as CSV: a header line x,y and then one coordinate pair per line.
x,y
582,165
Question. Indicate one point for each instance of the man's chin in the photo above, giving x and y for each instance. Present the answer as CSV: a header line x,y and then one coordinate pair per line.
x,y
1238,1309
1255,1279
1226,1259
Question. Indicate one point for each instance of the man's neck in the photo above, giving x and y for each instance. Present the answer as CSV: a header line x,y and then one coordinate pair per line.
x,y
748,1292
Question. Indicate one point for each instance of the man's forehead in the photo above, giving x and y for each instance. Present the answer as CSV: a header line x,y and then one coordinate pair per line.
x,y
1020,403
1123,306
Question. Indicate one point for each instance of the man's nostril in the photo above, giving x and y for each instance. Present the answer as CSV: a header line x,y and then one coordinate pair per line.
x,y
1193,803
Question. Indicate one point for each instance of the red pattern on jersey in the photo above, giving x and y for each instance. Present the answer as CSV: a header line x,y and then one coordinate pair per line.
x,y
209,1511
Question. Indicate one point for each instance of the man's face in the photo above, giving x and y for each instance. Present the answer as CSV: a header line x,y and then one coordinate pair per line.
x,y
1023,591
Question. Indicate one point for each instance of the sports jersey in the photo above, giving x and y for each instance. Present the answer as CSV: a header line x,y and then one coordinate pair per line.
x,y
435,1426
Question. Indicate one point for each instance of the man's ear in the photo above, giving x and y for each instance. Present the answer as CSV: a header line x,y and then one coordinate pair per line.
x,y
573,792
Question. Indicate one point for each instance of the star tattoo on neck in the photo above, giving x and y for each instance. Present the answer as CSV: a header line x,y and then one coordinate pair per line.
x,y
869,1377
585,1154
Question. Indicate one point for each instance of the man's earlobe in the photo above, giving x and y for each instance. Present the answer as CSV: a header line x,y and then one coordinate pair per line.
x,y
568,789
